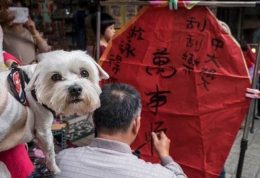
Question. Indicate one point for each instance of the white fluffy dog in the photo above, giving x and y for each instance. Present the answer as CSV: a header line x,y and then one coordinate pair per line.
x,y
65,82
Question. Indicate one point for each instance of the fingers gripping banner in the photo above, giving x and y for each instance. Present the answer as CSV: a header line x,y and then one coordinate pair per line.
x,y
192,78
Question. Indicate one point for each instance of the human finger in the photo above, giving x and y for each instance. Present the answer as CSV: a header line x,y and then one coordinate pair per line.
x,y
155,137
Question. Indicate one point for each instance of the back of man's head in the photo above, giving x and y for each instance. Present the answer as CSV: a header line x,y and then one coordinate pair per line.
x,y
120,104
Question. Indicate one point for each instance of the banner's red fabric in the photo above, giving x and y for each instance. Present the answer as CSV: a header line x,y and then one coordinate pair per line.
x,y
192,78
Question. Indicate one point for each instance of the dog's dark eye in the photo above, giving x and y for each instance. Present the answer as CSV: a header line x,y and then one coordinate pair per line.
x,y
84,73
56,77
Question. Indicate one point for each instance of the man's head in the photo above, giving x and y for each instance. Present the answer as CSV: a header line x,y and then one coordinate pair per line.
x,y
119,111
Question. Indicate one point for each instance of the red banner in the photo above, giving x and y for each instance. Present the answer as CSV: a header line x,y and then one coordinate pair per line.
x,y
192,78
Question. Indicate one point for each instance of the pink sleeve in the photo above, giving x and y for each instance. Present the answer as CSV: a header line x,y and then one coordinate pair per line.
x,y
8,56
17,161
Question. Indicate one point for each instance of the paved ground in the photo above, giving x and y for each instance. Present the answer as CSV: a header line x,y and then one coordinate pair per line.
x,y
251,167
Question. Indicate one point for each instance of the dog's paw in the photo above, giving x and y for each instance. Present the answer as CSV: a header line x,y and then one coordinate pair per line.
x,y
4,172
54,168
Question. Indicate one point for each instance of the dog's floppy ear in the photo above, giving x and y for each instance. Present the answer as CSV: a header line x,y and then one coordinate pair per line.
x,y
102,73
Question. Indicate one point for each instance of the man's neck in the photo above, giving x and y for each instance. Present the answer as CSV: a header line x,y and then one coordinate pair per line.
x,y
116,137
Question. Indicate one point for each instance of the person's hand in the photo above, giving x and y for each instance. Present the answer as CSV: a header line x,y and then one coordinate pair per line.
x,y
252,93
30,25
161,144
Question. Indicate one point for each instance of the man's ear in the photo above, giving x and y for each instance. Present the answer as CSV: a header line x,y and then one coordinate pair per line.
x,y
136,125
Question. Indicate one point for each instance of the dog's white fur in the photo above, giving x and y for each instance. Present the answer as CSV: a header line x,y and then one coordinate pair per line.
x,y
20,124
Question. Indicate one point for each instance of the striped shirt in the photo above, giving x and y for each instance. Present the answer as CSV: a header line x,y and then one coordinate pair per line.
x,y
112,159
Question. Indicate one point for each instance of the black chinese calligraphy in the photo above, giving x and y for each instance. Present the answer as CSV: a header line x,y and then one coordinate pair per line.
x,y
126,47
207,75
156,127
115,62
160,61
213,58
217,43
157,99
190,62
193,42
193,23
136,33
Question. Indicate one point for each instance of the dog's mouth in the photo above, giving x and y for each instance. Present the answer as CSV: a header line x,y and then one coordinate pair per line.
x,y
75,100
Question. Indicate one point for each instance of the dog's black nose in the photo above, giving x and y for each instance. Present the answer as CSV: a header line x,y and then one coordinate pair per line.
x,y
75,90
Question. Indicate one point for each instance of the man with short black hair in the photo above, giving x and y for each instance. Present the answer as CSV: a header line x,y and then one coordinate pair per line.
x,y
117,122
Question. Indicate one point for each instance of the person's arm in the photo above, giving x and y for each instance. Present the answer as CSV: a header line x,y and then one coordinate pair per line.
x,y
39,41
252,93
162,146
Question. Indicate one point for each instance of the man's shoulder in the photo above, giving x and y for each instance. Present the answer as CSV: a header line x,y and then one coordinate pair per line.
x,y
71,151
135,167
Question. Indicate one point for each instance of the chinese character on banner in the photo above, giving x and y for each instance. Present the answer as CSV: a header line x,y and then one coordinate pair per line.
x,y
192,79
